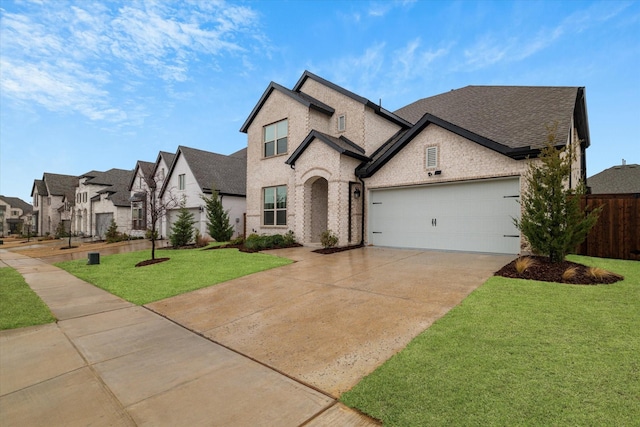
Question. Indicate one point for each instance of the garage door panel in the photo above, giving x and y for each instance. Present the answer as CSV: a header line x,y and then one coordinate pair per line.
x,y
472,216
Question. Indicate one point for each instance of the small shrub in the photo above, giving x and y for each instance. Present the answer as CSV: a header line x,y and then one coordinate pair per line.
x,y
290,238
151,234
60,230
112,234
524,263
201,241
569,273
254,242
237,241
182,230
328,239
274,240
266,241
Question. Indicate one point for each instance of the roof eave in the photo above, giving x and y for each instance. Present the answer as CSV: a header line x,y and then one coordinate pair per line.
x,y
318,135
368,170
275,86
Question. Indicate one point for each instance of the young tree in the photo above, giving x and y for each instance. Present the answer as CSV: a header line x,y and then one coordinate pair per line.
x,y
156,208
552,220
112,234
182,229
218,224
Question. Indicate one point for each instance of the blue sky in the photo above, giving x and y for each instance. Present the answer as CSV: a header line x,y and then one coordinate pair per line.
x,y
90,85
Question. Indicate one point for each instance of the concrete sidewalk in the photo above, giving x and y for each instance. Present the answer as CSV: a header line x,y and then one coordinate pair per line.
x,y
109,362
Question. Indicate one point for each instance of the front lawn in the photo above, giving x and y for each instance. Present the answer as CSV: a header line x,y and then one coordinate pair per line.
x,y
187,270
519,352
19,305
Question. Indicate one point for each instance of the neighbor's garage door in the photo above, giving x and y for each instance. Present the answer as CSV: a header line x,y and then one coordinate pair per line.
x,y
103,222
471,216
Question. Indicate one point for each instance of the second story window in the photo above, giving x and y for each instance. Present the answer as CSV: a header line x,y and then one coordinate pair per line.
x,y
342,123
275,138
181,182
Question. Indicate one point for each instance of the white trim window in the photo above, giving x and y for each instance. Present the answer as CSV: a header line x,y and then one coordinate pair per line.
x,y
431,157
275,138
275,205
137,216
342,122
181,182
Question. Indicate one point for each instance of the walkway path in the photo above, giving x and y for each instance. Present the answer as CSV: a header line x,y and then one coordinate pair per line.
x,y
109,362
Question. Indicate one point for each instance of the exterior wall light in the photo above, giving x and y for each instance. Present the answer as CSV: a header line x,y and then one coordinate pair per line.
x,y
356,193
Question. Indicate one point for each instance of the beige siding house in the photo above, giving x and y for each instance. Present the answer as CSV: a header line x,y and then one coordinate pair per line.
x,y
441,173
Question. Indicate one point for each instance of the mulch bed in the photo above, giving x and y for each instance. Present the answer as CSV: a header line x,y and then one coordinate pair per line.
x,y
327,251
151,261
546,271
243,248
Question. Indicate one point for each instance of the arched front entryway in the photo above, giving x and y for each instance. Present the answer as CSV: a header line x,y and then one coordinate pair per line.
x,y
316,204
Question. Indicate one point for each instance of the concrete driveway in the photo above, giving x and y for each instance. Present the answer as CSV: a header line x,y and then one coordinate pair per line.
x,y
329,320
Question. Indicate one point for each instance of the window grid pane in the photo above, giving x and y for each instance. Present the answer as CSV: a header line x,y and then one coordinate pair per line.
x,y
275,138
275,205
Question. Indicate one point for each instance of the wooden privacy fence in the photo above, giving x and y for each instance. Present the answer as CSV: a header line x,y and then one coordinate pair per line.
x,y
617,232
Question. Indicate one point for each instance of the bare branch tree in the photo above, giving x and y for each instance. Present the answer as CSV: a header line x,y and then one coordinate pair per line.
x,y
157,208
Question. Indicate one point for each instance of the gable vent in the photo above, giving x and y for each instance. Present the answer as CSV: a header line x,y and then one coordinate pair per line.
x,y
432,157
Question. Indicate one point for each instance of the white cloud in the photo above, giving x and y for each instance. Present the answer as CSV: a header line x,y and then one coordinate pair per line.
x,y
72,56
494,48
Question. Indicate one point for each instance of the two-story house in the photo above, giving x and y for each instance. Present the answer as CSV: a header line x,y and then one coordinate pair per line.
x,y
99,198
50,194
444,172
146,204
15,215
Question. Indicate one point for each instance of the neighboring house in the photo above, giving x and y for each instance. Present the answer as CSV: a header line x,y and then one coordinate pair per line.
x,y
443,173
622,179
146,176
139,190
192,175
99,198
15,214
52,192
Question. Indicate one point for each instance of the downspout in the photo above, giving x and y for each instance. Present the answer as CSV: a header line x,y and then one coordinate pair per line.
x,y
350,214
362,220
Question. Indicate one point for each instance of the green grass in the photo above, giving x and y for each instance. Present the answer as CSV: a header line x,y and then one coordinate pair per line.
x,y
19,305
187,270
518,352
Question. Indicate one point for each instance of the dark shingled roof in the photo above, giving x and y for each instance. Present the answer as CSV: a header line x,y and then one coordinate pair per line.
x,y
302,98
39,185
167,157
620,179
514,116
147,172
228,173
342,145
242,154
117,180
61,185
376,107
15,202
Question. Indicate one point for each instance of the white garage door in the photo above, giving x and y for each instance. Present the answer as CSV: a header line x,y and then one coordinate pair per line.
x,y
471,216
